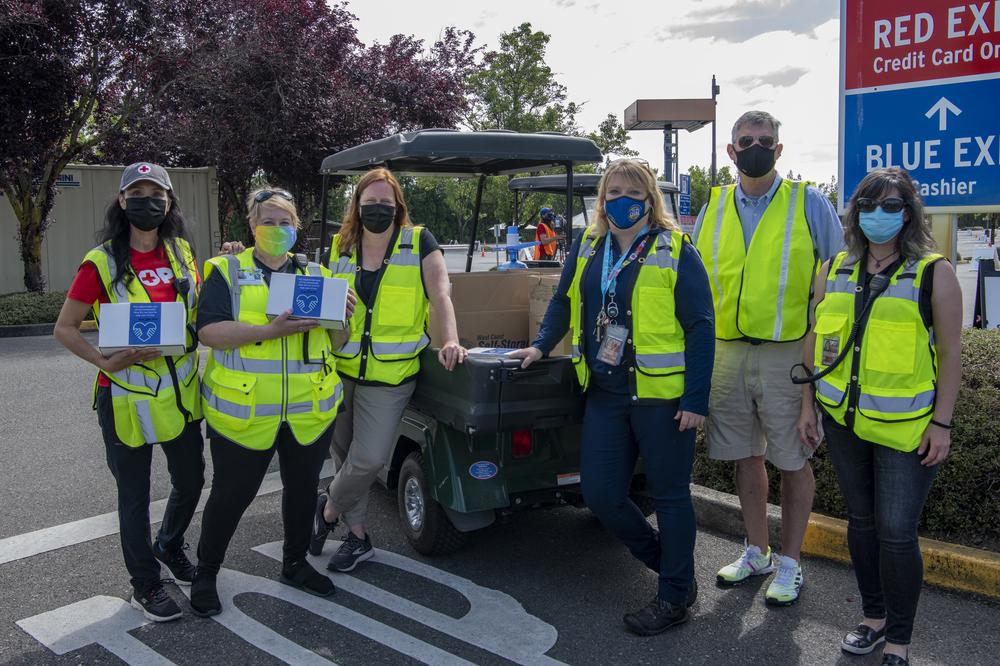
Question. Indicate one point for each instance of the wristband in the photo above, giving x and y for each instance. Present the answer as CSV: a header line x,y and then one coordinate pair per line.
x,y
946,426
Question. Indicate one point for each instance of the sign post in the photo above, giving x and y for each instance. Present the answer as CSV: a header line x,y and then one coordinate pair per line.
x,y
920,89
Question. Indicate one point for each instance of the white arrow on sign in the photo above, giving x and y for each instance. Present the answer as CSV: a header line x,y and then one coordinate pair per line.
x,y
942,107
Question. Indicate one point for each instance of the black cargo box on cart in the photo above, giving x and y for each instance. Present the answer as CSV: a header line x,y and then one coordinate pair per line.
x,y
493,393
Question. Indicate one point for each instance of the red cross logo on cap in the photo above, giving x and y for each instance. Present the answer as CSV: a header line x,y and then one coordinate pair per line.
x,y
144,168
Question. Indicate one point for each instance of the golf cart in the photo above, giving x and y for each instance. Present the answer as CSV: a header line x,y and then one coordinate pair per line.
x,y
584,187
489,438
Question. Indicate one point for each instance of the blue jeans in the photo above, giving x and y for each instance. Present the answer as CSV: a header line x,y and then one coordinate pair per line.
x,y
615,433
885,491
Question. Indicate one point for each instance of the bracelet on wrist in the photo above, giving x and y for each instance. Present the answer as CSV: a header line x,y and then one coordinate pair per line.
x,y
946,426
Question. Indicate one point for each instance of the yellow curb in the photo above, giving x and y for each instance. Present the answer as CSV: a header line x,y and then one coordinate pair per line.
x,y
90,325
946,565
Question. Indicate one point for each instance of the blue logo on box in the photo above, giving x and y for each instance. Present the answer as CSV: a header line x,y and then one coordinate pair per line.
x,y
144,324
307,300
483,470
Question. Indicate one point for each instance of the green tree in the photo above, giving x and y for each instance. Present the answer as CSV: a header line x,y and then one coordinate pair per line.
x,y
701,183
514,89
829,190
612,138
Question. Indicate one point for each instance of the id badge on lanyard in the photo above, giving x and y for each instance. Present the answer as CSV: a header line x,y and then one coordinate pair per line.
x,y
608,332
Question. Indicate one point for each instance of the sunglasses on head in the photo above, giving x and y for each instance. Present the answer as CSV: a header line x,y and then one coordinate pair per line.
x,y
745,142
264,195
889,204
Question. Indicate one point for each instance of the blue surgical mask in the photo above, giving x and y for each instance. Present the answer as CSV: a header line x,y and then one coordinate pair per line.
x,y
624,212
879,226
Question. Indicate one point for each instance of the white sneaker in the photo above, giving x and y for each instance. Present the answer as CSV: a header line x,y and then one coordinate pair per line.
x,y
752,563
784,589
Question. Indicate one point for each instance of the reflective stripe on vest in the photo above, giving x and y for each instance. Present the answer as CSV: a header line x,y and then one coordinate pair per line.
x,y
249,391
387,335
894,375
657,338
761,291
144,396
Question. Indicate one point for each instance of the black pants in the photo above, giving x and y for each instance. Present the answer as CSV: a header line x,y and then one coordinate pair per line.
x,y
238,474
130,467
885,491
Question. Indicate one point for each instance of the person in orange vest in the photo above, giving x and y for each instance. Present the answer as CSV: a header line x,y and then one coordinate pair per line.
x,y
545,235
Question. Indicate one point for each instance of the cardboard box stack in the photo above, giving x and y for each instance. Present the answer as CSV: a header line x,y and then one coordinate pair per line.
x,y
492,309
541,294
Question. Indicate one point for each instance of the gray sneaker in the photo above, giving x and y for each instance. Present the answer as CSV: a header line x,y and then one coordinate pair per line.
x,y
320,528
350,553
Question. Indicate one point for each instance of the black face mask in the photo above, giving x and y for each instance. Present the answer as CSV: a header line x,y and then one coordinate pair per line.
x,y
376,218
755,161
145,213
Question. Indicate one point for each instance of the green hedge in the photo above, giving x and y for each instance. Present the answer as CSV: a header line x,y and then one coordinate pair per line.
x,y
31,308
964,503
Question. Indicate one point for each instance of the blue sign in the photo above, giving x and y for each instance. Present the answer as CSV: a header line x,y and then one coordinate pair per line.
x,y
144,324
684,204
307,299
483,470
946,136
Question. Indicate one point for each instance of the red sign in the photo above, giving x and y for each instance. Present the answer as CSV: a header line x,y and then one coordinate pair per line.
x,y
905,41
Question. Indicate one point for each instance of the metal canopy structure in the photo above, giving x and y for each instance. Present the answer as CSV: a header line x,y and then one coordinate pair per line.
x,y
672,115
457,153
445,152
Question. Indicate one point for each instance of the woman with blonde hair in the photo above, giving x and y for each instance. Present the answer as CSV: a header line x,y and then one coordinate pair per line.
x,y
269,386
397,271
644,358
888,320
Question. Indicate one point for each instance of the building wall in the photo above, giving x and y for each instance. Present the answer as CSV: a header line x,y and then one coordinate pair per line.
x,y
84,196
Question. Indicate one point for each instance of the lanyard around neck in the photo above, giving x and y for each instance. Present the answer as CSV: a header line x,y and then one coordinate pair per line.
x,y
609,273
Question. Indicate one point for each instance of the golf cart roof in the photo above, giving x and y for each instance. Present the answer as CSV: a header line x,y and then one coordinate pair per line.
x,y
584,184
455,153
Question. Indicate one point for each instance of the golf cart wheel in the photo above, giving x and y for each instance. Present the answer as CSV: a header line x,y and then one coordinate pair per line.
x,y
424,522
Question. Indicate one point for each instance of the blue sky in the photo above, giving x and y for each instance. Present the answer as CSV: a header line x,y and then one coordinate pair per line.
x,y
778,55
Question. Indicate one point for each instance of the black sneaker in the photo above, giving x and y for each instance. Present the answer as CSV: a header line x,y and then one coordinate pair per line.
x,y
303,576
179,565
657,616
350,553
320,528
156,604
204,594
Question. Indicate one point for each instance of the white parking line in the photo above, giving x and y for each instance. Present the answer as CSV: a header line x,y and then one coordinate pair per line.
x,y
79,531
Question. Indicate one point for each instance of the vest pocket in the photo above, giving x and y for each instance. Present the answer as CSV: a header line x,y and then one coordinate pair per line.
x,y
325,390
231,396
396,306
831,335
654,311
890,346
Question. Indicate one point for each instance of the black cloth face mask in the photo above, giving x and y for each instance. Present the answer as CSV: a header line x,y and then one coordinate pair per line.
x,y
376,218
145,213
755,161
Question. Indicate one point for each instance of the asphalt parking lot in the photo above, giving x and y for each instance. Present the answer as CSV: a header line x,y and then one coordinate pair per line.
x,y
546,587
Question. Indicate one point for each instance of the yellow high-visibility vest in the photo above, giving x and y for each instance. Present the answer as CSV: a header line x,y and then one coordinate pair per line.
x,y
249,391
761,292
657,340
144,397
388,334
885,391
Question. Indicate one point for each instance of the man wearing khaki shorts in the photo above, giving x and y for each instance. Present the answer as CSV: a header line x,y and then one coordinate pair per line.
x,y
761,241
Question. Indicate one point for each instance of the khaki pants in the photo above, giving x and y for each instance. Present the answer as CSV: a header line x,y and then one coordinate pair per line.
x,y
363,438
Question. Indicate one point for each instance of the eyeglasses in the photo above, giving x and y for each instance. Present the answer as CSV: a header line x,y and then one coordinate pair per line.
x,y
889,204
264,195
634,160
765,141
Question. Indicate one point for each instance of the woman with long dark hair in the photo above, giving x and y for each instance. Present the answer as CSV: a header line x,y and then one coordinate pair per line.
x,y
141,397
886,345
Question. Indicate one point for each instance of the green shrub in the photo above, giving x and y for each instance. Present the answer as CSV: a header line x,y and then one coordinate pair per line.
x,y
964,502
31,308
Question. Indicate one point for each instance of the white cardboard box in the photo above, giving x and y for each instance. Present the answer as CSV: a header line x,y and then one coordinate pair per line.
x,y
158,326
309,297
